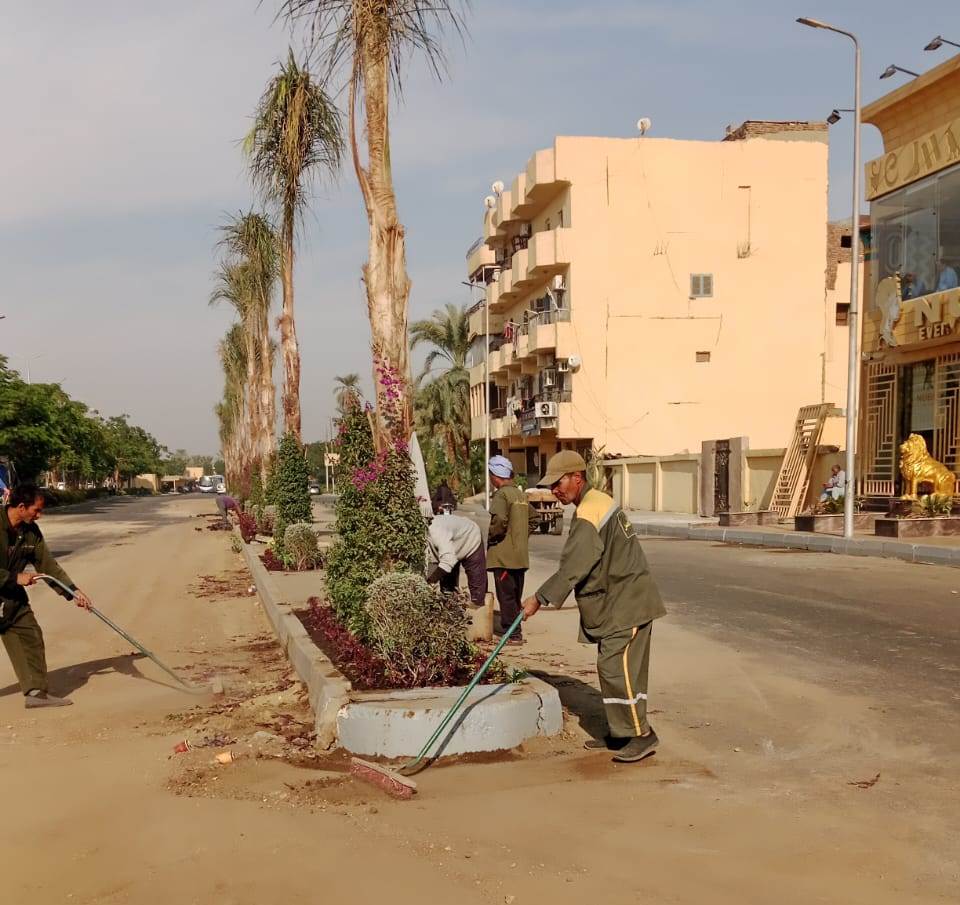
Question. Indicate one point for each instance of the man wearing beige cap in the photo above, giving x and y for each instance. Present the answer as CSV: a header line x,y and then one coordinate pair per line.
x,y
603,563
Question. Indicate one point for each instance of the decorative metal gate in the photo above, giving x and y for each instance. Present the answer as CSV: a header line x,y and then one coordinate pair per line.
x,y
879,446
721,477
946,423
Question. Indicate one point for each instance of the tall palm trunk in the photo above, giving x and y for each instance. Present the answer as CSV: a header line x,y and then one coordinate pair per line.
x,y
385,274
267,429
288,335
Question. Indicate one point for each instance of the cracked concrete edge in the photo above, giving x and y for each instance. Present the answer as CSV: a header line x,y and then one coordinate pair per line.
x,y
819,543
327,688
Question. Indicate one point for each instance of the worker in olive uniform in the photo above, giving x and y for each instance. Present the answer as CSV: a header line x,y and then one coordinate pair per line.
x,y
508,557
603,563
22,545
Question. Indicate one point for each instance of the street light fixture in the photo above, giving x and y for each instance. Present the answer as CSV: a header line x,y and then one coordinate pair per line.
x,y
893,68
853,362
835,116
938,42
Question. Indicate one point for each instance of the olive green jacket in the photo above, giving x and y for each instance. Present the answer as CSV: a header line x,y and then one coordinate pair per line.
x,y
29,548
603,563
512,519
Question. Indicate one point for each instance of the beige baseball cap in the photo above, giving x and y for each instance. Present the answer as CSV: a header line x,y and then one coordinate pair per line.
x,y
564,462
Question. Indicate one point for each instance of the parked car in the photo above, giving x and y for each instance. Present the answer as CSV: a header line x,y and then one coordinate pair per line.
x,y
314,487
61,485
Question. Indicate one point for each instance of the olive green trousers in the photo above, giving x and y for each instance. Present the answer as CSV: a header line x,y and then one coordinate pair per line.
x,y
24,644
623,664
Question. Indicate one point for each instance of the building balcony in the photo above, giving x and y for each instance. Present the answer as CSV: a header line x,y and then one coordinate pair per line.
x,y
522,206
477,373
477,323
493,295
523,345
548,253
507,292
478,427
503,212
521,278
479,256
553,335
542,183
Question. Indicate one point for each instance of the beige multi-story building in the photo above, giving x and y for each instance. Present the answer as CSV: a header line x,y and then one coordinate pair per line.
x,y
647,294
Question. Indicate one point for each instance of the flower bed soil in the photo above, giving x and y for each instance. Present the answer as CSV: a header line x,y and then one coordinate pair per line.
x,y
272,564
365,669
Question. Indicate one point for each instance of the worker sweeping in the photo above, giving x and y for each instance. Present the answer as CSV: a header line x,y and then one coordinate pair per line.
x,y
22,544
603,563
508,557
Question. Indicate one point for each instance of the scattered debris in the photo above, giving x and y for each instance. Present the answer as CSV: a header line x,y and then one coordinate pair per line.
x,y
224,757
865,783
181,747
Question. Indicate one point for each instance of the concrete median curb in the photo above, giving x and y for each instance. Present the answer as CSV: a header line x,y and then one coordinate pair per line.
x,y
328,689
397,723
816,543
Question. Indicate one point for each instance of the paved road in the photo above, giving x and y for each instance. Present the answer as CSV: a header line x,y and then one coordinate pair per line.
x,y
858,621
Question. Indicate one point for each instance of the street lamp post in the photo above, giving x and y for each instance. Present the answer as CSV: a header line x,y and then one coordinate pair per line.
x,y
853,358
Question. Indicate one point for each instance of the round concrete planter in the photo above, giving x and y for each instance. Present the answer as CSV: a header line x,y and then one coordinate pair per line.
x,y
493,718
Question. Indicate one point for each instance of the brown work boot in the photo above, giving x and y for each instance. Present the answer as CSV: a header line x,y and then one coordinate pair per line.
x,y
43,699
637,748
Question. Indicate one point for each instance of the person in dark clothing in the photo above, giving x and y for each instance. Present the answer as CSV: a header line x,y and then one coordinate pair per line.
x,y
226,504
22,545
443,496
508,557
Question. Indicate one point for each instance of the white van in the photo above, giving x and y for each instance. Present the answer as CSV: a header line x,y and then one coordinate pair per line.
x,y
211,483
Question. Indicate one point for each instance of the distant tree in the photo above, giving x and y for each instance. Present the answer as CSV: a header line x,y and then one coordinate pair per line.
x,y
133,450
442,402
230,411
296,133
346,392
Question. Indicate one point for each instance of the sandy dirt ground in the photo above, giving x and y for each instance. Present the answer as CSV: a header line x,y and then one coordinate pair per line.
x,y
765,788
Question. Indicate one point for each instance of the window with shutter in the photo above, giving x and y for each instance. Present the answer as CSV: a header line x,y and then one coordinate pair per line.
x,y
701,285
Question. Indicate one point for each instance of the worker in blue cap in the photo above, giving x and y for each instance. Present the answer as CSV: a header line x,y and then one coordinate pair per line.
x,y
508,556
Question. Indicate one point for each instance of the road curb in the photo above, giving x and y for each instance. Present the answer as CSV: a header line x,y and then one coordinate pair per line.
x,y
800,540
327,687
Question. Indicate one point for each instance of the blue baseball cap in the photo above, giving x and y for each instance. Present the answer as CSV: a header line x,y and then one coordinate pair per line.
x,y
501,466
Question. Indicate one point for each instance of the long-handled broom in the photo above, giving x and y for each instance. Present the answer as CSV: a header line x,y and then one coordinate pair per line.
x,y
396,782
215,686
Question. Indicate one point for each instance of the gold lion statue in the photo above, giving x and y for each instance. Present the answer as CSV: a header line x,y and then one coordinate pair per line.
x,y
918,466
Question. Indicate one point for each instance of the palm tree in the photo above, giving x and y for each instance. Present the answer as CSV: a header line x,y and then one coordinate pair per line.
x,y
346,392
251,239
231,409
296,131
371,43
233,286
442,402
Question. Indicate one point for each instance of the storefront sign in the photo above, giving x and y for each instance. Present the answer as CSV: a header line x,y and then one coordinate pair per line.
x,y
936,316
927,154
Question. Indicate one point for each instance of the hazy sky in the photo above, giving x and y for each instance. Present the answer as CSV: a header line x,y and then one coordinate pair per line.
x,y
121,159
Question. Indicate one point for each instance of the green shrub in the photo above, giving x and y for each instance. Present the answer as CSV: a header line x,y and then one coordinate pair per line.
x,y
256,491
418,632
289,491
379,525
936,504
300,547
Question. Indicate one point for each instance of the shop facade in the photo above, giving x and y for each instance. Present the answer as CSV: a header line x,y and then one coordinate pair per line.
x,y
910,380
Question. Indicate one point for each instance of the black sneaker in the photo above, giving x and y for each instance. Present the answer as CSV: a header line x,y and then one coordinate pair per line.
x,y
607,743
637,748
42,699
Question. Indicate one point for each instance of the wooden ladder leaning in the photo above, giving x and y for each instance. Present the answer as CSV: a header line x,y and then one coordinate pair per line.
x,y
794,478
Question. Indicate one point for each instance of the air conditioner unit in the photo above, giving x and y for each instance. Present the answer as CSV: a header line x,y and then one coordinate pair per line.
x,y
550,378
563,365
546,410
559,283
525,230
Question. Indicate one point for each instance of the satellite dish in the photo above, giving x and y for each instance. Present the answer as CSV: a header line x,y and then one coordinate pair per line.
x,y
574,361
643,125
497,187
489,202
